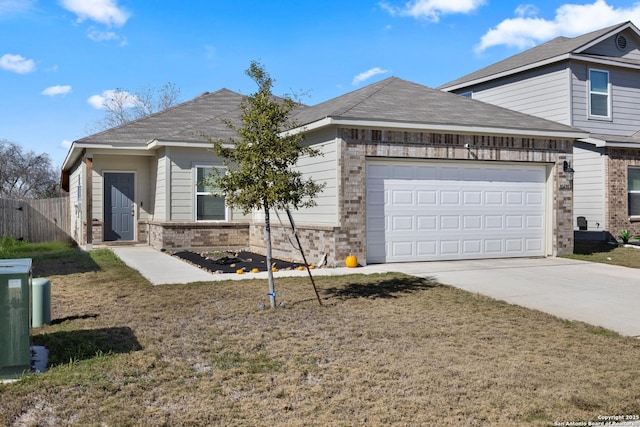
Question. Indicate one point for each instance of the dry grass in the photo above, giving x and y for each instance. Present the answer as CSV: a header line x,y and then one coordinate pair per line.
x,y
383,350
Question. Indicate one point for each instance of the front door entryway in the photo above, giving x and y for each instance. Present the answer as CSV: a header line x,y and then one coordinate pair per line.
x,y
119,212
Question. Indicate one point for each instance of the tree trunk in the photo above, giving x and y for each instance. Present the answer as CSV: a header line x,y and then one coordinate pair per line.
x,y
267,228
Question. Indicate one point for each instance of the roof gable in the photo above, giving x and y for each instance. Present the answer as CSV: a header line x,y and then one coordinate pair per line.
x,y
394,100
555,50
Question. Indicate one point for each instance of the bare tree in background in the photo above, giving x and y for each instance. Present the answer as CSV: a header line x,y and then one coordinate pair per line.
x,y
25,174
121,106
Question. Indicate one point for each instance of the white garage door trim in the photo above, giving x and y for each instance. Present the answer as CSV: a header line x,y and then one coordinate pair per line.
x,y
440,210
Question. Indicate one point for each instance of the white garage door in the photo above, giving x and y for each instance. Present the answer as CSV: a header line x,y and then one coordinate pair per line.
x,y
424,211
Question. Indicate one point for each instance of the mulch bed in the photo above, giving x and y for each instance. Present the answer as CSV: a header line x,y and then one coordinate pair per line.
x,y
232,262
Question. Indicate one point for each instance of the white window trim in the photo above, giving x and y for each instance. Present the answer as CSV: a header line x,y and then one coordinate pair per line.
x,y
631,192
609,103
196,193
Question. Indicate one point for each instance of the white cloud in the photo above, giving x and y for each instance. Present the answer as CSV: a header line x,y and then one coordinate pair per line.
x,y
15,6
103,11
56,90
433,9
101,36
367,75
17,63
527,29
117,98
66,143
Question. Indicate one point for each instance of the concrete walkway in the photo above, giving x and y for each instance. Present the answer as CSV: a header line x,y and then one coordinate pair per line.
x,y
598,294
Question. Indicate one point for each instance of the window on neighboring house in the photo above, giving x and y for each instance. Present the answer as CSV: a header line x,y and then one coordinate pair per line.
x,y
467,94
599,96
209,204
633,189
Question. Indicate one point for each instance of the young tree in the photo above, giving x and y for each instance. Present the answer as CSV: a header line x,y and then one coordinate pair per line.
x,y
260,172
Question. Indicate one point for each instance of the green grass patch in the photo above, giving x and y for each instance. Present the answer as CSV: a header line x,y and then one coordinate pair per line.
x,y
605,253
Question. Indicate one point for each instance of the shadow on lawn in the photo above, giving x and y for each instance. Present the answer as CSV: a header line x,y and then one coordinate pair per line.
x,y
73,346
391,288
64,262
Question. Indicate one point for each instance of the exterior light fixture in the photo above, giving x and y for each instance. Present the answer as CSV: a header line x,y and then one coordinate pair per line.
x,y
568,170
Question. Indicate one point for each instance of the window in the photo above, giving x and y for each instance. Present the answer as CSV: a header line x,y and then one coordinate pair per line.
x,y
209,204
467,94
599,93
633,189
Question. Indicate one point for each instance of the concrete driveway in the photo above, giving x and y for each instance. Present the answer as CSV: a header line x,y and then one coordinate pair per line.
x,y
598,294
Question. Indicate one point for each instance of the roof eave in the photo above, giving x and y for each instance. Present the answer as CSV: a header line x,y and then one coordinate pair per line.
x,y
436,127
507,73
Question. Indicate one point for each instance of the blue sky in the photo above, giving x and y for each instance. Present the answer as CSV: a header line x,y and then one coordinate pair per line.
x,y
57,57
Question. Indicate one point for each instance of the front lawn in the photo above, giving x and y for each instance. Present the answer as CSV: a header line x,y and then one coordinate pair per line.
x,y
605,253
383,350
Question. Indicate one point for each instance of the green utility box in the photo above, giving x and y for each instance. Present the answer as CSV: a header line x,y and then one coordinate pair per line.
x,y
15,317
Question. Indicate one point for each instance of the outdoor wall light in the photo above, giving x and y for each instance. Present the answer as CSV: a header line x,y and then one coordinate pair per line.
x,y
568,170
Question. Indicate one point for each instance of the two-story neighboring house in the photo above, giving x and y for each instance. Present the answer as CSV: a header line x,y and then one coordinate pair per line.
x,y
591,82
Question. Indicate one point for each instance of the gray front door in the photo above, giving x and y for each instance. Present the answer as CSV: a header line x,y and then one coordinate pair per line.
x,y
119,212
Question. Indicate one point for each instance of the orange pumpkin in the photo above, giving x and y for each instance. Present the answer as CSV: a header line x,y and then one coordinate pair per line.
x,y
351,261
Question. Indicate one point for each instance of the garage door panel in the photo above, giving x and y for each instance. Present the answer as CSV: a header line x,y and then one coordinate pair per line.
x,y
514,221
472,222
401,223
472,247
426,198
402,197
426,223
472,198
450,197
402,248
449,222
493,198
493,246
494,222
450,247
427,248
437,211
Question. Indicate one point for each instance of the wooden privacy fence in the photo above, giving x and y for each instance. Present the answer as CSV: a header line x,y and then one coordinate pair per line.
x,y
37,221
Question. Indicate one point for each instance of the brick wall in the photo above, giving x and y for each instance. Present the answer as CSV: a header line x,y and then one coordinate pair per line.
x,y
168,235
616,200
316,242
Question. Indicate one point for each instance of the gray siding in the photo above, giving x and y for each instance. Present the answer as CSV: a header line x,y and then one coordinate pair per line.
x,y
160,202
322,169
181,163
588,186
608,47
542,93
77,205
625,102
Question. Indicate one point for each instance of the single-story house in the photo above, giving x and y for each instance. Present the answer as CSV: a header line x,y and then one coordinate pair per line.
x,y
411,174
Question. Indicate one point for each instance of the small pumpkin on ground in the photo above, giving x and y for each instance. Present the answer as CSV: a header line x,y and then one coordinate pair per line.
x,y
351,261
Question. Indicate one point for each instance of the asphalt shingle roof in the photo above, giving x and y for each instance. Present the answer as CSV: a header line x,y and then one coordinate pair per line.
x,y
391,100
402,101
186,122
546,51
